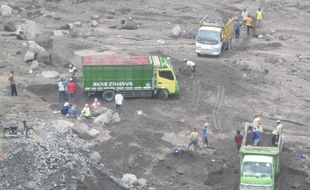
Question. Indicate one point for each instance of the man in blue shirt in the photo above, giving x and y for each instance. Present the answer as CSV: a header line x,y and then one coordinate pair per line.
x,y
205,135
237,26
256,137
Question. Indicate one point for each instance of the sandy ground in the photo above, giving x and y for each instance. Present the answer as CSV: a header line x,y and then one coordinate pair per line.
x,y
270,76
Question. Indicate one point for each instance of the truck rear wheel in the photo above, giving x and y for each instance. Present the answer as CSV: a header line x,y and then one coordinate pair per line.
x,y
108,95
163,94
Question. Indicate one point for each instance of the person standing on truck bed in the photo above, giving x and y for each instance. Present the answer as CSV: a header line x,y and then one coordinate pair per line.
x,y
256,135
238,140
259,18
119,102
13,84
276,133
244,15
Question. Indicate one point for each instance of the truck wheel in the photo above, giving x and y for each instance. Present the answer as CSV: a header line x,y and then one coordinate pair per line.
x,y
108,95
163,94
199,55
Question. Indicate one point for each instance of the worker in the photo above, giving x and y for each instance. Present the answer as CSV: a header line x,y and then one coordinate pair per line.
x,y
192,66
256,120
276,133
61,90
205,135
256,135
95,104
71,90
85,113
259,18
13,84
193,139
119,102
72,71
65,108
72,112
238,140
237,26
249,25
244,15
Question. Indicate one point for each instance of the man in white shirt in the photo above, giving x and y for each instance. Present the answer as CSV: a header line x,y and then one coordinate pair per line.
x,y
192,66
118,102
244,15
62,91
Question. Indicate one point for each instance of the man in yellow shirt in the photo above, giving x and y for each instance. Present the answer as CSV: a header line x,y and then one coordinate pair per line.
x,y
193,139
249,24
85,113
259,18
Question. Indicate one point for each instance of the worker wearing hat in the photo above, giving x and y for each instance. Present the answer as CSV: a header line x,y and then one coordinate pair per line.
x,y
205,135
276,133
191,65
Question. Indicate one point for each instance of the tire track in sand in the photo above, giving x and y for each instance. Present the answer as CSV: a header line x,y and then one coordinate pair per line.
x,y
219,103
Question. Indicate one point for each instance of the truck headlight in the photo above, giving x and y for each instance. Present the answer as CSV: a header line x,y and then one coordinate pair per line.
x,y
198,48
216,49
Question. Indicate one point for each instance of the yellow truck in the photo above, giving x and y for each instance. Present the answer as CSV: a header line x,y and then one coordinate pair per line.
x,y
214,36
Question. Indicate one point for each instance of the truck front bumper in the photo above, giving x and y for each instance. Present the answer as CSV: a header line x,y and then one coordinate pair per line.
x,y
207,52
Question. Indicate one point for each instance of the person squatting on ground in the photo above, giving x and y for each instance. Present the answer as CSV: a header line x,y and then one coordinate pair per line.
x,y
205,135
237,26
249,25
191,65
193,139
71,90
12,84
64,110
95,104
119,102
85,113
276,133
259,18
238,140
244,15
72,112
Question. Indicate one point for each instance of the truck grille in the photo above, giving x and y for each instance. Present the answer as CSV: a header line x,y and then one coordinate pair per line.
x,y
251,187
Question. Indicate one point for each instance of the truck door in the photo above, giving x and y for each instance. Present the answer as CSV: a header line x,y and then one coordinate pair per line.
x,y
165,79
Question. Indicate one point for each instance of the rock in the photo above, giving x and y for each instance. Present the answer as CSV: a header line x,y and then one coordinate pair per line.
x,y
94,23
275,59
82,130
115,118
180,171
50,74
44,57
307,180
129,179
268,37
29,56
9,26
62,125
130,25
94,17
45,41
160,42
95,156
5,10
61,33
104,118
109,16
99,110
260,36
59,59
36,48
35,65
93,132
142,182
176,31
115,24
28,30
66,27
188,34
295,186
285,37
78,23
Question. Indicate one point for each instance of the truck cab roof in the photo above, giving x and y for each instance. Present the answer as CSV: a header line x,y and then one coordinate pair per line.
x,y
257,158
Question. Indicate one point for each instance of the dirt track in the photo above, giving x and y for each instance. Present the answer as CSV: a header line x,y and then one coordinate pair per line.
x,y
257,75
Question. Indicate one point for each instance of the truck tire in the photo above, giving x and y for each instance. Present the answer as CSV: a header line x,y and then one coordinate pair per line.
x,y
108,95
163,94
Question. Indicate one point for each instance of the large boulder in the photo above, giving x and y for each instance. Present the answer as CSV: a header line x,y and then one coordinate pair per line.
x,y
115,118
95,156
50,74
28,30
176,31
45,41
130,25
99,110
82,130
44,57
129,179
29,56
35,65
36,48
5,10
104,118
9,26
62,125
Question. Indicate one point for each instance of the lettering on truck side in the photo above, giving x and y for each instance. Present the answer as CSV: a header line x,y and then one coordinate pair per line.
x,y
112,84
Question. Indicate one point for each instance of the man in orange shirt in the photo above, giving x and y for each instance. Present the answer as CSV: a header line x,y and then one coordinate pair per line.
x,y
249,25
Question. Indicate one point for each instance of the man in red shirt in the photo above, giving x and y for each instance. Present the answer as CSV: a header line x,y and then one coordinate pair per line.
x,y
238,140
71,89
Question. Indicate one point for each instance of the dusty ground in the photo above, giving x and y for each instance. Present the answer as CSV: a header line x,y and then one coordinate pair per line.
x,y
271,76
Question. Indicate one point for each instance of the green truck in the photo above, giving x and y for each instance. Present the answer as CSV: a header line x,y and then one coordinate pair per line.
x,y
259,165
130,75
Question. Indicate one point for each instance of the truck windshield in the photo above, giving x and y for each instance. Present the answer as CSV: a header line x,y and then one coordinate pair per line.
x,y
257,169
208,37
